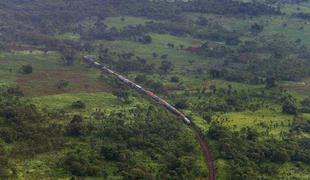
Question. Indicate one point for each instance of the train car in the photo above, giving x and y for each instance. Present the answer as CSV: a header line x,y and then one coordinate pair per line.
x,y
97,65
123,79
110,71
149,93
87,60
137,86
186,120
172,109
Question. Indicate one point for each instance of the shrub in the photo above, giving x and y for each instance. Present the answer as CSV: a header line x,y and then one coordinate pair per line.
x,y
78,105
26,69
289,108
62,84
82,164
175,79
140,78
182,104
76,127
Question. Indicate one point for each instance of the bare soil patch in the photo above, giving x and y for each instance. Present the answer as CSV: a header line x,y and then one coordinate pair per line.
x,y
3,59
45,83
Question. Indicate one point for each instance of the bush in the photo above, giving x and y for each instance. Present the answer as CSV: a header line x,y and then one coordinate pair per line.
x,y
26,69
175,79
110,152
182,104
5,170
140,78
289,107
76,127
62,84
306,102
82,164
78,105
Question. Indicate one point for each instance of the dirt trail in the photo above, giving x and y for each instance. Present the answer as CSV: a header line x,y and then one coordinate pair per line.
x,y
206,152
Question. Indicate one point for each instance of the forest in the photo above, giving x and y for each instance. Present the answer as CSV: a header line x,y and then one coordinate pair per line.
x,y
239,70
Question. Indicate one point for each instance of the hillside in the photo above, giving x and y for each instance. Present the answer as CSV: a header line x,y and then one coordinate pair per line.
x,y
239,70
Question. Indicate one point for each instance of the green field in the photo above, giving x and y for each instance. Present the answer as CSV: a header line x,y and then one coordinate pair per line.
x,y
246,92
121,22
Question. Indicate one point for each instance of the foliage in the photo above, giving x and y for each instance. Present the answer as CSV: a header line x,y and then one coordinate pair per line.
x,y
22,123
78,105
26,69
250,160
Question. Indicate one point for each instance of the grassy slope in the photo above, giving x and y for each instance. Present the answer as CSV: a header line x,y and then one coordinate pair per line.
x,y
47,71
235,120
120,23
45,165
180,58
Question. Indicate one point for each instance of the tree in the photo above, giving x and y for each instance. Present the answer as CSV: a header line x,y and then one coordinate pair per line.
x,y
215,73
271,82
202,21
140,78
69,56
164,56
5,169
76,127
232,40
110,152
181,104
256,28
62,84
166,66
280,155
26,69
306,102
289,107
78,105
175,79
121,95
146,39
156,86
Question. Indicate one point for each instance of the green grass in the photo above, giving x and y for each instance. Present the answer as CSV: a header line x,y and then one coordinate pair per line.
x,y
48,70
179,57
299,89
68,36
238,120
93,101
296,8
222,169
272,25
121,22
44,166
294,171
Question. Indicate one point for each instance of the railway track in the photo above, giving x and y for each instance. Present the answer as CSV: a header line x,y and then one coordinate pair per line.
x,y
203,145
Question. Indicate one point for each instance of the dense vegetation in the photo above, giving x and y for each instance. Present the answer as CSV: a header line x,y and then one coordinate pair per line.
x,y
239,69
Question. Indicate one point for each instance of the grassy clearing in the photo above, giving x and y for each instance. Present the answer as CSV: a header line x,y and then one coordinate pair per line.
x,y
179,57
64,101
260,120
48,70
68,36
121,22
296,8
295,29
300,89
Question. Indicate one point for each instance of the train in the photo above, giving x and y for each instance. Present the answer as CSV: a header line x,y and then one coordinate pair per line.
x,y
91,62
